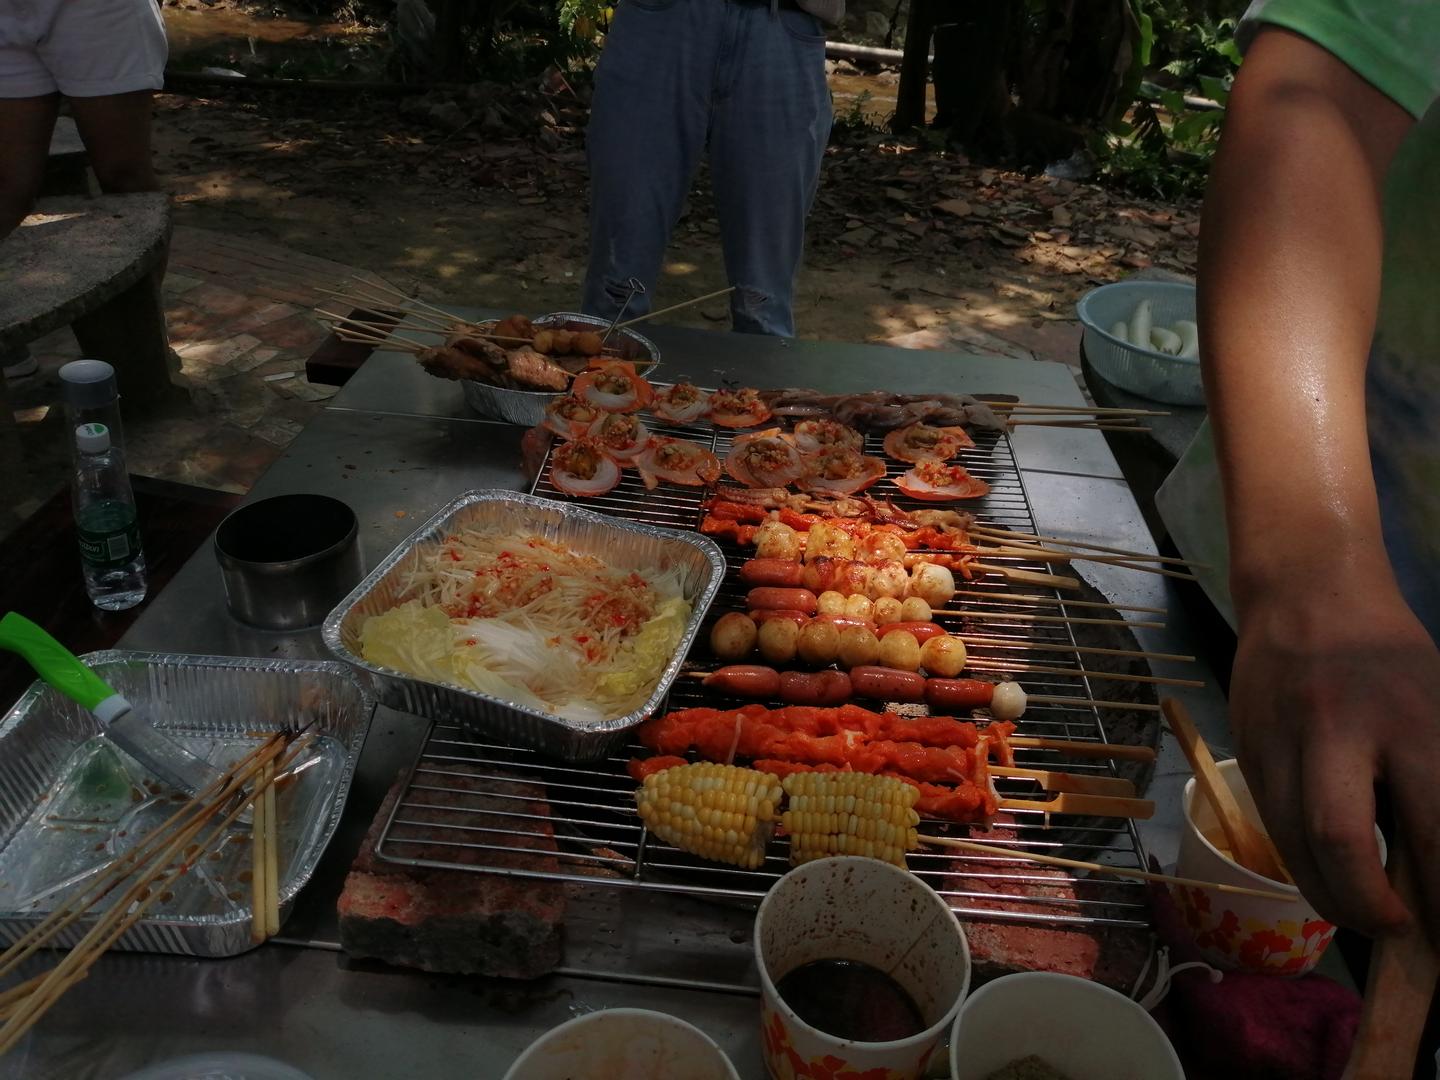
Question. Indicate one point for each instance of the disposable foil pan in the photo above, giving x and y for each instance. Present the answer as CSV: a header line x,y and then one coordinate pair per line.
x,y
70,802
527,407
624,546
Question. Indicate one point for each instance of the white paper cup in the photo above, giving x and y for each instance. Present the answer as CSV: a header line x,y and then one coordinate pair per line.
x,y
623,1044
1243,933
1085,1030
864,910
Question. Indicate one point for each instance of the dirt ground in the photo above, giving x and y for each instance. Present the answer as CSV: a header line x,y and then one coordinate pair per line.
x,y
480,198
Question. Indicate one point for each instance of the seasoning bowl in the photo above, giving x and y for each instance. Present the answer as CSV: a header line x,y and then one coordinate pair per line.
x,y
623,1044
527,407
1243,933
286,561
851,908
1084,1030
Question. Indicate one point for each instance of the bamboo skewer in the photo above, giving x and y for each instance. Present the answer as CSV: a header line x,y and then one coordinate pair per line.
x,y
1251,848
1402,978
272,856
370,304
1051,601
1088,805
1030,538
1057,619
1082,748
1098,703
64,915
673,307
169,854
1028,577
1042,554
259,865
1077,425
1115,676
1010,406
1052,781
1099,868
1045,646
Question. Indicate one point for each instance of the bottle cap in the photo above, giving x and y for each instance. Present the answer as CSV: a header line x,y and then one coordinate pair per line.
x,y
88,384
92,438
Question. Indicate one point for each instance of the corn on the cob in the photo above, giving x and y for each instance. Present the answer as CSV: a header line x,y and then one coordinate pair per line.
x,y
719,812
849,814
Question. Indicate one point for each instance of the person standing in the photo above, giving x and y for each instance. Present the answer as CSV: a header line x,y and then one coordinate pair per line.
x,y
741,80
107,58
1319,269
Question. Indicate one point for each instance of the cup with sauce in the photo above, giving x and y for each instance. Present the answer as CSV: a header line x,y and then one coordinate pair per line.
x,y
1243,933
862,969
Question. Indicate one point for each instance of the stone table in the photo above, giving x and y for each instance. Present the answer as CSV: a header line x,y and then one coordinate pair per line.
x,y
90,264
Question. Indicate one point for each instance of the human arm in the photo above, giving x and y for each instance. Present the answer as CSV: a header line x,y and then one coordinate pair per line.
x,y
1335,683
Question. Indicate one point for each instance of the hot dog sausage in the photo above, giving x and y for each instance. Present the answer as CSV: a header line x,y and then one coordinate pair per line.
x,y
772,572
818,688
886,684
745,680
787,599
923,631
951,694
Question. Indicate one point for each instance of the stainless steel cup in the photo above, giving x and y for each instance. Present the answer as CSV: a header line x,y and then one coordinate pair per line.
x,y
286,561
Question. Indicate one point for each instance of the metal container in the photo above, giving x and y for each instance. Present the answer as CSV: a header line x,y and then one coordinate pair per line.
x,y
527,407
286,560
70,803
623,545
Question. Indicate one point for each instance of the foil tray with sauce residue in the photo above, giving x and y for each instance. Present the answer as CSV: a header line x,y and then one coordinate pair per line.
x,y
623,545
71,802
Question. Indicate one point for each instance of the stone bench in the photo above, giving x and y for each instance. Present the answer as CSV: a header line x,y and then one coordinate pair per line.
x,y
90,264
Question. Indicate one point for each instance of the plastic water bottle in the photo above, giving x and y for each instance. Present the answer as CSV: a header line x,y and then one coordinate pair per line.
x,y
104,506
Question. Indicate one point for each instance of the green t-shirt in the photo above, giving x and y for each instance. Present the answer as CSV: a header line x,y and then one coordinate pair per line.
x,y
1395,46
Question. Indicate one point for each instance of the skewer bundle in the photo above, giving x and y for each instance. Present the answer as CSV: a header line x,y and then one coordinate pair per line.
x,y
134,881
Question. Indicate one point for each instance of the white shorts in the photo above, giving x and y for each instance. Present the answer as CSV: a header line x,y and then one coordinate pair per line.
x,y
82,48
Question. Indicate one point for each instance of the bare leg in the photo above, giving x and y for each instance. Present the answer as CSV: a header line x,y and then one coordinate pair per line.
x,y
25,128
116,132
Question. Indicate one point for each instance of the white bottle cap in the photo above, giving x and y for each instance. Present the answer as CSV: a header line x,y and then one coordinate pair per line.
x,y
92,438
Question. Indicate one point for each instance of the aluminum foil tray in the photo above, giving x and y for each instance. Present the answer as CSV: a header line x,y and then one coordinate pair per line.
x,y
70,801
527,407
624,545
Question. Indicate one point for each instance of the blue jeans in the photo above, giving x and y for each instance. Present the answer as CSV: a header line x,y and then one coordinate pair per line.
x,y
679,77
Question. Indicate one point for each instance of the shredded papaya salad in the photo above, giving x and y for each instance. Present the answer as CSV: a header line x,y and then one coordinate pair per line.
x,y
530,621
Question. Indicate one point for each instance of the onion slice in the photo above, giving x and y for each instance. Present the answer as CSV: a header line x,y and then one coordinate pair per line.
x,y
582,468
935,481
764,459
916,442
839,470
614,387
679,461
737,408
816,434
570,416
619,435
681,403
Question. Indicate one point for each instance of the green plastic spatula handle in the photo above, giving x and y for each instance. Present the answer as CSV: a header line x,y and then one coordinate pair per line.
x,y
53,662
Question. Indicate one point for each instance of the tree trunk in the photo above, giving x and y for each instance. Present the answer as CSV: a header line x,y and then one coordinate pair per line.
x,y
450,26
914,67
972,90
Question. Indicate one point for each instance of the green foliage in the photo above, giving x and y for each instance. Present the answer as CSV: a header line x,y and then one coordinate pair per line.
x,y
1165,145
857,118
585,18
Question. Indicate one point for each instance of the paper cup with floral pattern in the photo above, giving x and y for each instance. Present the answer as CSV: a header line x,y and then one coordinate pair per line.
x,y
1243,933
867,911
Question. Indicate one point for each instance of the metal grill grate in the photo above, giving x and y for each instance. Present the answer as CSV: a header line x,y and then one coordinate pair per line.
x,y
474,805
